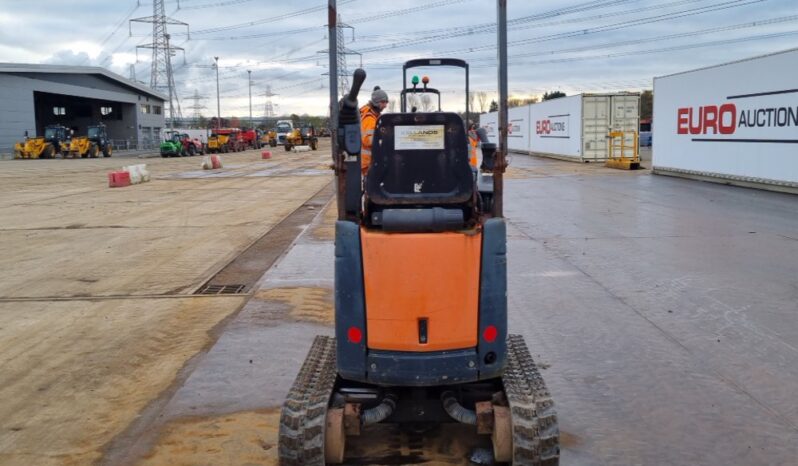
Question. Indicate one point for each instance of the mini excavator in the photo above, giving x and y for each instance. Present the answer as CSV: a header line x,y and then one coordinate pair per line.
x,y
421,333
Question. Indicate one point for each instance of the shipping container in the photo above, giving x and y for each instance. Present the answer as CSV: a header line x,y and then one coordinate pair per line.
x,y
575,127
199,134
557,127
733,123
518,132
490,121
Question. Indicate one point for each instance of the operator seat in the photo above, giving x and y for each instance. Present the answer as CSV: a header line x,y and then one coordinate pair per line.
x,y
420,178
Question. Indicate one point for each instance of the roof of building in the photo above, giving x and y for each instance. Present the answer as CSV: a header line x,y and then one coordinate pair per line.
x,y
69,69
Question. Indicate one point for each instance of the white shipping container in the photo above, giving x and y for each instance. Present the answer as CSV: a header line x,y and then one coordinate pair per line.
x,y
201,134
490,121
518,131
575,127
595,127
557,127
736,122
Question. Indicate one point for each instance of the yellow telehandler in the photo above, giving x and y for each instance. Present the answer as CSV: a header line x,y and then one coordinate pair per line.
x,y
43,147
91,145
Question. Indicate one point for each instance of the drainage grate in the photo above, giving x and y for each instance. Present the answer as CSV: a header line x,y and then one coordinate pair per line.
x,y
221,289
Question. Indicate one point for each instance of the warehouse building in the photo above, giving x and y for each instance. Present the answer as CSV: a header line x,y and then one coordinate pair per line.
x,y
35,96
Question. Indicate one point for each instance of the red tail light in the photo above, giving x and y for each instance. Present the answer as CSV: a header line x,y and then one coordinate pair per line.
x,y
354,335
490,334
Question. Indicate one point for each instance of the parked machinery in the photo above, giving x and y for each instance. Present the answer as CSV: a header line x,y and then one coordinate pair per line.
x,y
191,146
225,140
217,143
282,129
304,136
251,138
180,145
421,329
269,138
95,142
48,146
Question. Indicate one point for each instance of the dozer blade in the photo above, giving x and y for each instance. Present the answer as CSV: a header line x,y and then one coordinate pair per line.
x,y
528,435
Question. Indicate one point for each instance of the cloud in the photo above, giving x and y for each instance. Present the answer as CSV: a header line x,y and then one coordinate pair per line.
x,y
286,52
68,57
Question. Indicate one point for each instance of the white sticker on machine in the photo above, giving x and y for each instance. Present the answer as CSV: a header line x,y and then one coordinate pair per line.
x,y
424,137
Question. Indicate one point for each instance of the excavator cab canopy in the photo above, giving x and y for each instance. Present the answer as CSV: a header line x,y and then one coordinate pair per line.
x,y
427,62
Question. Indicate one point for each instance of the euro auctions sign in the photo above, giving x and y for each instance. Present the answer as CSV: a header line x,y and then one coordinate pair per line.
x,y
553,126
745,119
736,121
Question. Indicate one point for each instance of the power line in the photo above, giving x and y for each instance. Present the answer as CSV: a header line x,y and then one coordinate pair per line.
x,y
214,5
404,11
598,29
363,19
262,35
272,19
734,27
659,50
621,25
457,31
119,25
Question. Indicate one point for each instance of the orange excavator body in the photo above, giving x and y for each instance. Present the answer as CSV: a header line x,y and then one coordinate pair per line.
x,y
422,276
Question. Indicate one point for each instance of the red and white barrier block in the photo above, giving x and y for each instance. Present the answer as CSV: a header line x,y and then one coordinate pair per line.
x,y
132,174
118,179
211,162
138,173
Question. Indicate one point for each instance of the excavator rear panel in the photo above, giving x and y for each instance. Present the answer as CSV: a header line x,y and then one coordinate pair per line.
x,y
422,290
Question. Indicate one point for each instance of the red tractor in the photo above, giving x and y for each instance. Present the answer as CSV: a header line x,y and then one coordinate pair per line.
x,y
251,138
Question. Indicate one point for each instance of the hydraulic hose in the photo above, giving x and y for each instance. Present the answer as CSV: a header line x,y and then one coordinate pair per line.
x,y
380,412
456,410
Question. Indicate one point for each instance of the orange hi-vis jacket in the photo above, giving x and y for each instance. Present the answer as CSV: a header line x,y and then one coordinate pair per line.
x,y
368,122
473,140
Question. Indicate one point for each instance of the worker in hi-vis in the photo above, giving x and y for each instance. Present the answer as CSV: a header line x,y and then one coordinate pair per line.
x,y
369,114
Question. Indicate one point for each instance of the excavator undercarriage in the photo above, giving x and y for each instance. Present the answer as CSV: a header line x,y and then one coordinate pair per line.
x,y
321,410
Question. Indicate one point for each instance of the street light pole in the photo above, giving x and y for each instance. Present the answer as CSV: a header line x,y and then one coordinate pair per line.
x,y
218,104
249,75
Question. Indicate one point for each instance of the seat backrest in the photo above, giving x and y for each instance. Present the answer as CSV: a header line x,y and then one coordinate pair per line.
x,y
419,159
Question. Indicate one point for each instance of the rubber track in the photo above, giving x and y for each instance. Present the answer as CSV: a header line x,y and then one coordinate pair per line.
x,y
536,435
302,420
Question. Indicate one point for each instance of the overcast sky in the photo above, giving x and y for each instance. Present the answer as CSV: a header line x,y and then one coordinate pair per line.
x,y
571,45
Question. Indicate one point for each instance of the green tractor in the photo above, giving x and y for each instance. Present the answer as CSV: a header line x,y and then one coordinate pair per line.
x,y
172,145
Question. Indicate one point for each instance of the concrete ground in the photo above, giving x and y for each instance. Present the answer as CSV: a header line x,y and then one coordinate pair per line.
x,y
664,311
645,156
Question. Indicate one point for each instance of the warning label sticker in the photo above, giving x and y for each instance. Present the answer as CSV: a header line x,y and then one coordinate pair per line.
x,y
426,137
